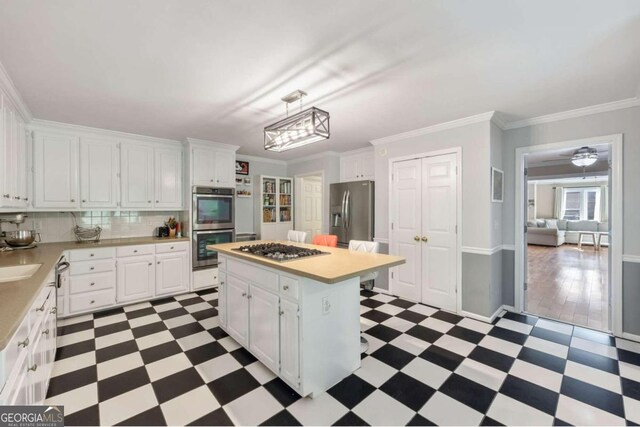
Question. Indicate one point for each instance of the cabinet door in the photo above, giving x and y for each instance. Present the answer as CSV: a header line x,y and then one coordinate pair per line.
x,y
56,171
137,176
172,273
289,342
22,184
37,370
9,154
98,173
264,331
20,391
202,166
237,309
367,166
224,169
168,182
222,299
136,278
349,168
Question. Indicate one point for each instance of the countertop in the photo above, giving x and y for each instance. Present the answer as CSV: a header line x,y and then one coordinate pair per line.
x,y
17,296
340,264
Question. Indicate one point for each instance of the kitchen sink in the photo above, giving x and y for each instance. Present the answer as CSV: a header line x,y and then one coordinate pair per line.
x,y
18,272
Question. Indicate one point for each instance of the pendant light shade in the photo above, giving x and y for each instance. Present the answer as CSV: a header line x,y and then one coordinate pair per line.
x,y
584,156
303,128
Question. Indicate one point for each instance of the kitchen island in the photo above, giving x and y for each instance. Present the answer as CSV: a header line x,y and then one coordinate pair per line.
x,y
300,318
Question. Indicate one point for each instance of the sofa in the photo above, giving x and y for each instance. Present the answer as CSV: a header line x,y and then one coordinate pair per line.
x,y
552,232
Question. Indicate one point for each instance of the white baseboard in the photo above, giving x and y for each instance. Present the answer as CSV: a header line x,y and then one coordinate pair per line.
x,y
631,337
485,318
381,291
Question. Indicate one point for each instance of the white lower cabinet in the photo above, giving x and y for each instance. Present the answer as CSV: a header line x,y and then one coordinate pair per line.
x,y
289,341
222,299
172,273
136,278
264,326
237,309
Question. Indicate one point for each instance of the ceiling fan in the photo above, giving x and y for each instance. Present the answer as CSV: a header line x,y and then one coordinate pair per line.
x,y
582,157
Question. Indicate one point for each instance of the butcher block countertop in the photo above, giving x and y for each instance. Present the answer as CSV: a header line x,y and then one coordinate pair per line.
x,y
340,264
17,296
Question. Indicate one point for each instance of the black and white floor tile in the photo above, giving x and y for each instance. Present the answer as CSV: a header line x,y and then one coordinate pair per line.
x,y
168,363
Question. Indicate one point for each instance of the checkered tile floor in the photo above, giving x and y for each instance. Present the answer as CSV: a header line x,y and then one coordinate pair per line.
x,y
168,362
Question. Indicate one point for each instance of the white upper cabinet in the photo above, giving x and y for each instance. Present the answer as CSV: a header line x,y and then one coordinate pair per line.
x,y
55,171
213,166
136,163
202,164
168,179
13,156
98,173
357,167
224,167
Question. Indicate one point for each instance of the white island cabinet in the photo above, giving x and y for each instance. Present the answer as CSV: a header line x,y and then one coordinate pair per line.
x,y
300,318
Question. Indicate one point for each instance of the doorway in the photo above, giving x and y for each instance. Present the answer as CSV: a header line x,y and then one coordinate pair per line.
x,y
309,210
424,200
568,239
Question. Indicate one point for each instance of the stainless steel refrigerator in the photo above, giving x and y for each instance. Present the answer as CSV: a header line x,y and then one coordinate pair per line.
x,y
352,211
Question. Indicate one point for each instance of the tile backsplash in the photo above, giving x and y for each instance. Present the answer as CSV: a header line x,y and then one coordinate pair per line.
x,y
58,226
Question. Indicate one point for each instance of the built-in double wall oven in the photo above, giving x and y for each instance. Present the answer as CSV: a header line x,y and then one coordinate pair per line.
x,y
213,223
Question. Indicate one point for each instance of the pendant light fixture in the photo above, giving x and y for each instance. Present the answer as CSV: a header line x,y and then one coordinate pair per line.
x,y
584,157
302,128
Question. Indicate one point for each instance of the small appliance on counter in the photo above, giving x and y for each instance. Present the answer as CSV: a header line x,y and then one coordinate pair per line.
x,y
18,239
162,231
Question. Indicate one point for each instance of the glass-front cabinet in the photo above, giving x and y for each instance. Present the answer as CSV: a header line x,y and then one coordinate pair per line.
x,y
274,212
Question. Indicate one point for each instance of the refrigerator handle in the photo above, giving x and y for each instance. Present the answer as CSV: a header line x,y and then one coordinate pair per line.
x,y
348,210
343,210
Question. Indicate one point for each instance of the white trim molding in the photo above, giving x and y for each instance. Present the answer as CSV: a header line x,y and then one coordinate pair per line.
x,y
214,144
6,84
381,240
478,118
487,251
382,291
631,258
578,112
356,151
486,319
631,337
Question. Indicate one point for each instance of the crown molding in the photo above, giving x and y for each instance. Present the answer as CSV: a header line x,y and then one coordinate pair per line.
x,y
357,151
6,84
478,118
578,112
48,125
334,154
260,159
220,145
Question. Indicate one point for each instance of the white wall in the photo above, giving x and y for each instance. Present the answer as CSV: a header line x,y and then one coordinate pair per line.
x,y
476,176
545,199
496,146
329,163
245,206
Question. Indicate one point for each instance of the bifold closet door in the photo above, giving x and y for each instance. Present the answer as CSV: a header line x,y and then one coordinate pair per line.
x,y
438,236
406,228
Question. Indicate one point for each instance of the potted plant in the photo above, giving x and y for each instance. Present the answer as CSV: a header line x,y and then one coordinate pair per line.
x,y
172,223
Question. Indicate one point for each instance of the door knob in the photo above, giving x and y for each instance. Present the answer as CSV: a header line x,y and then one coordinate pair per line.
x,y
425,239
416,238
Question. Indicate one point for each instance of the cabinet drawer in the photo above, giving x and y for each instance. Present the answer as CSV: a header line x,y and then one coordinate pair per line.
x,y
205,278
92,282
289,287
172,247
265,278
91,300
135,250
39,307
89,254
98,266
9,356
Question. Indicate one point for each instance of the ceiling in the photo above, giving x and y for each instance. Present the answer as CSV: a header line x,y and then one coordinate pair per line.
x,y
216,69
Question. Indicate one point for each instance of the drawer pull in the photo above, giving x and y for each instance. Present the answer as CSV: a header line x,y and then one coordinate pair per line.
x,y
285,287
222,282
33,368
281,312
244,294
92,301
249,296
24,343
54,310
92,283
40,308
158,262
171,247
45,332
92,268
90,254
150,263
135,251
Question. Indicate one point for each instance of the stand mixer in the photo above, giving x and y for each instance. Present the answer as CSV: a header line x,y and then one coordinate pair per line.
x,y
18,239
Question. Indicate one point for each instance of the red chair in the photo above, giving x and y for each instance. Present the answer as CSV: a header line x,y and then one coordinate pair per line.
x,y
325,240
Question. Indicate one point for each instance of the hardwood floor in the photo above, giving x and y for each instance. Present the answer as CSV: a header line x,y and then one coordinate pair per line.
x,y
569,284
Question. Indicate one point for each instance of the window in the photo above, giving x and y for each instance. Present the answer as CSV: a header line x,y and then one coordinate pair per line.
x,y
581,204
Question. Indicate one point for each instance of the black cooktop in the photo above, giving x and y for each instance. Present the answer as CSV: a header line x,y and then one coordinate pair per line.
x,y
279,251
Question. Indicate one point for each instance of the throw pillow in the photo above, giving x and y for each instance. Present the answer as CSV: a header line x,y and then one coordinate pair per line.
x,y
552,223
541,223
